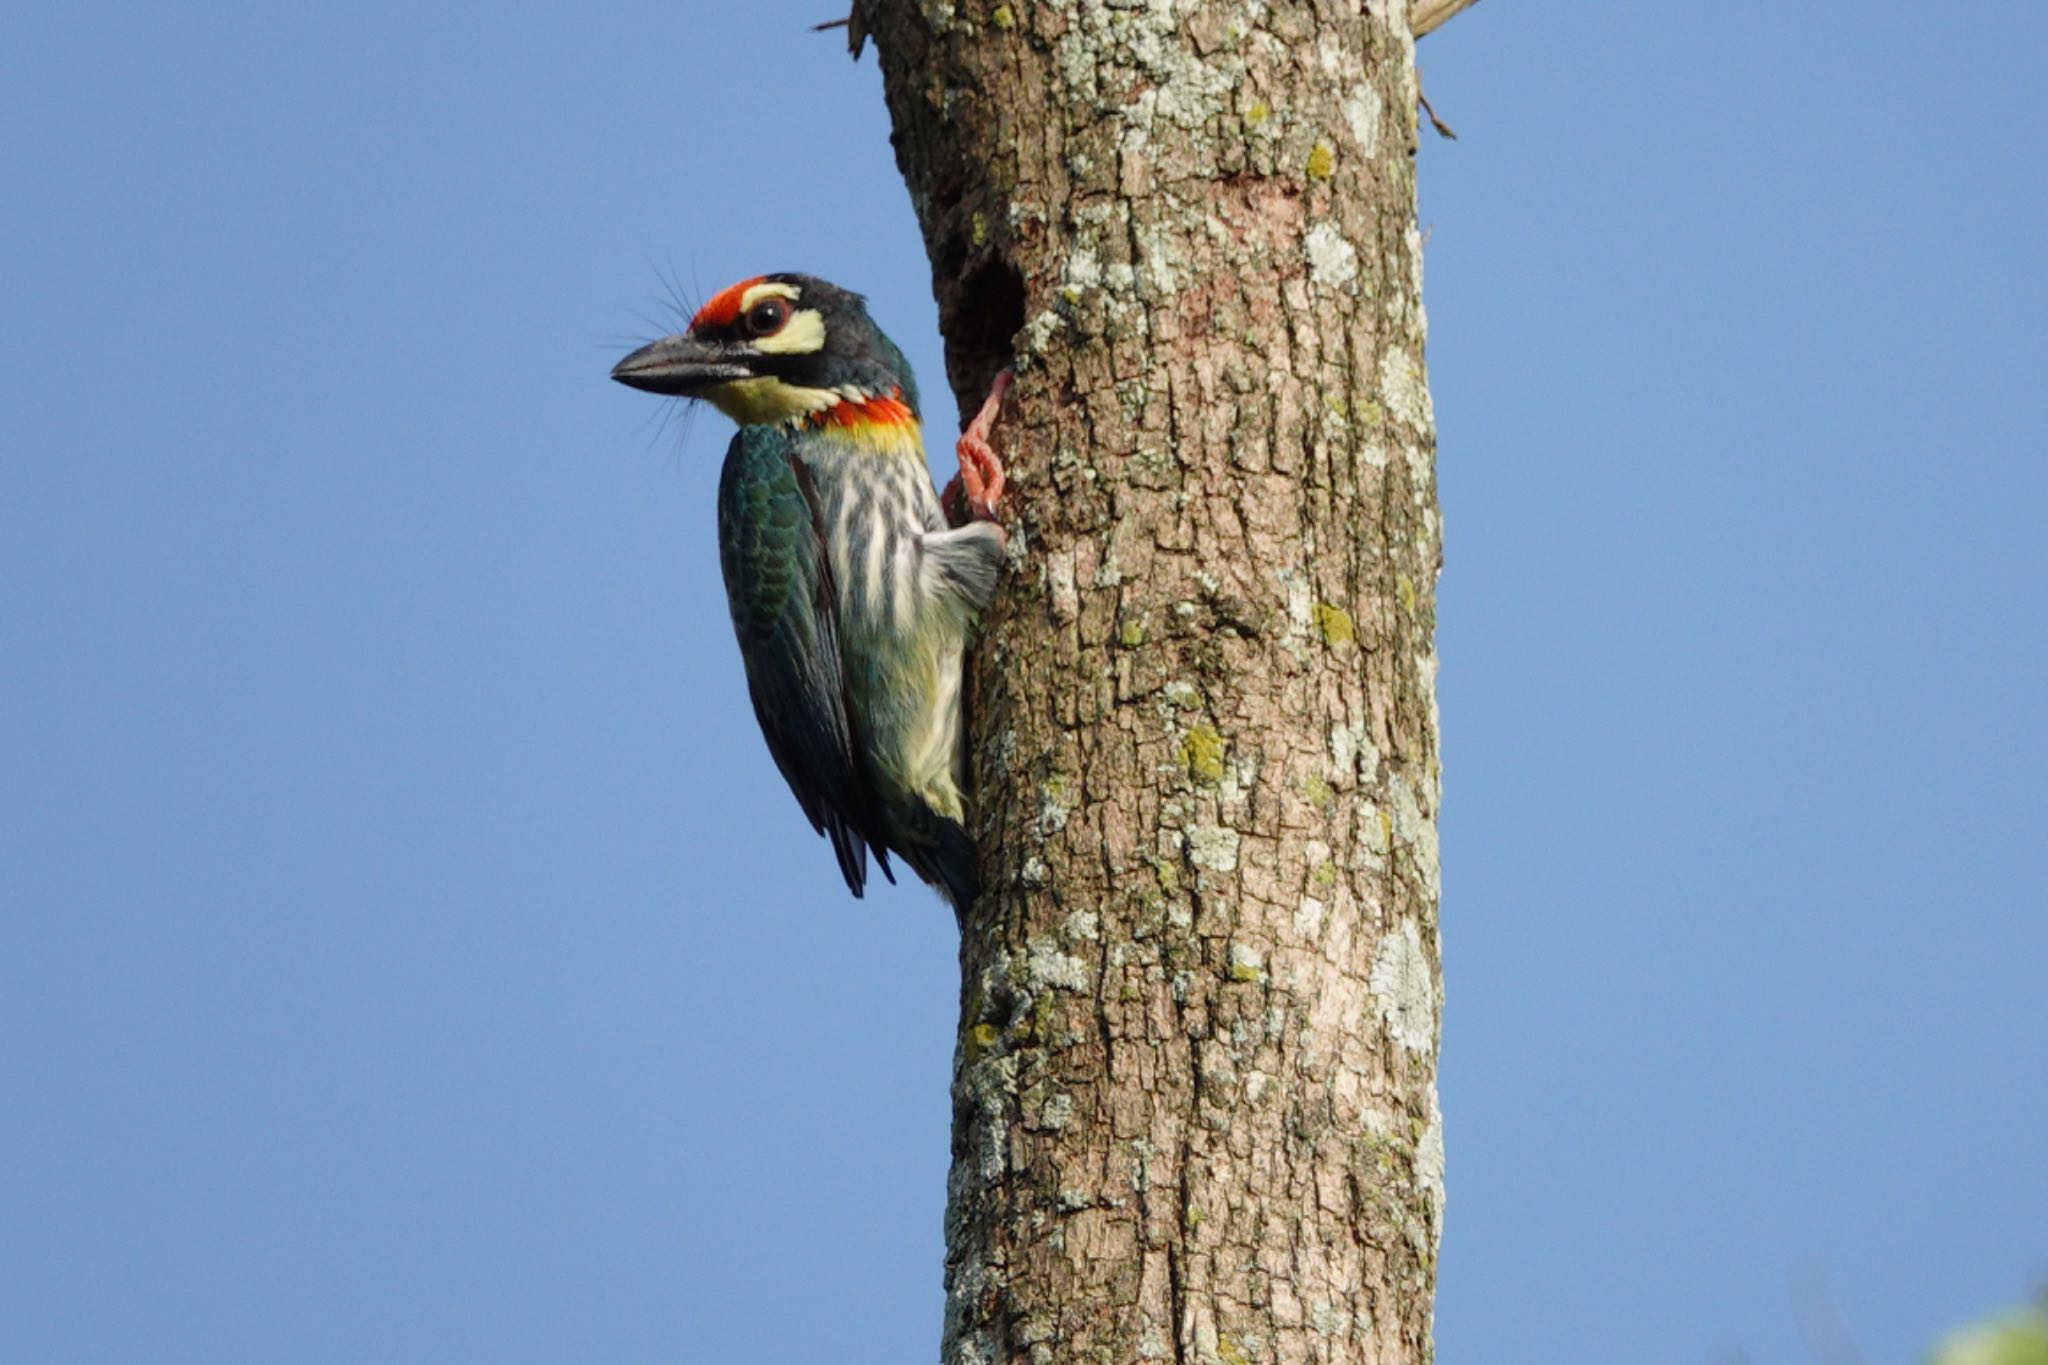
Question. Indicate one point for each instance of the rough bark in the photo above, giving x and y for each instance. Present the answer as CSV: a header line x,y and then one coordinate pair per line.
x,y
1195,1108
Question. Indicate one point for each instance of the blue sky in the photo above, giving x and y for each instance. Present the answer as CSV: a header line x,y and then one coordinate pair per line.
x,y
408,952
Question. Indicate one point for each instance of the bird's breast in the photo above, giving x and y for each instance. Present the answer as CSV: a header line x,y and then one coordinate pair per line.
x,y
875,508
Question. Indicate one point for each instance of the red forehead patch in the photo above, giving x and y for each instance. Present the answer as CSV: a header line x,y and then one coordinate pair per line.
x,y
723,308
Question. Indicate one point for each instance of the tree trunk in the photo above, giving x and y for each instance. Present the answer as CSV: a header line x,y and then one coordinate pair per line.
x,y
1195,1109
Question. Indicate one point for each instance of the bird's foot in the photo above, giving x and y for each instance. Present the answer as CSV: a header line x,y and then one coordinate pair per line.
x,y
979,485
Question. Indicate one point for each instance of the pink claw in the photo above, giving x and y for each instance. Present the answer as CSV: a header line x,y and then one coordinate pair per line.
x,y
981,473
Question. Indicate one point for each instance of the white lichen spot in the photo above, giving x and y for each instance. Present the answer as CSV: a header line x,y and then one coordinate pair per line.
x,y
1417,457
1332,261
1343,748
1300,599
1046,965
1368,756
1037,334
1426,678
1425,670
1429,1159
1097,213
1142,1152
1412,239
1375,839
989,1083
1330,55
1034,872
1192,92
1256,1083
1308,919
1057,1112
1052,810
1414,830
1076,56
1353,755
1162,276
1083,270
1397,20
1108,572
1061,593
964,1291
1402,389
1182,693
1006,751
1403,990
1246,962
1082,924
1362,113
1213,847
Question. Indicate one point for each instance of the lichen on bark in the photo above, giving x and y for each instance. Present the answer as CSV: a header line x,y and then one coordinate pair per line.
x,y
1195,1110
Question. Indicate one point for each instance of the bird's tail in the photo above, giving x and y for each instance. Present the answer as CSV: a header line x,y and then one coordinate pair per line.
x,y
941,852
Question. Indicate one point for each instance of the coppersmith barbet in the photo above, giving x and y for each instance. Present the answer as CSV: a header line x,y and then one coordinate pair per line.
x,y
852,591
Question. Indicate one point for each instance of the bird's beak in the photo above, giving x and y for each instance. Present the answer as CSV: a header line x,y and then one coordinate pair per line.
x,y
681,365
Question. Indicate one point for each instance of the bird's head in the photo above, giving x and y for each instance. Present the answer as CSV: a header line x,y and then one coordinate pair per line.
x,y
781,350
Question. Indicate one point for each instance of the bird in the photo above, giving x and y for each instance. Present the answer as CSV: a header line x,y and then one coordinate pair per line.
x,y
854,586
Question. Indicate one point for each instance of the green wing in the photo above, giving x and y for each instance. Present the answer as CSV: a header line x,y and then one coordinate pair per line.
x,y
785,613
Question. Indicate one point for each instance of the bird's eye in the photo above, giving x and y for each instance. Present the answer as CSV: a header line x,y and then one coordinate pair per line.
x,y
767,317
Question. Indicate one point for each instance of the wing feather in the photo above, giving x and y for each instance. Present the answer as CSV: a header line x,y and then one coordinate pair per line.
x,y
778,582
